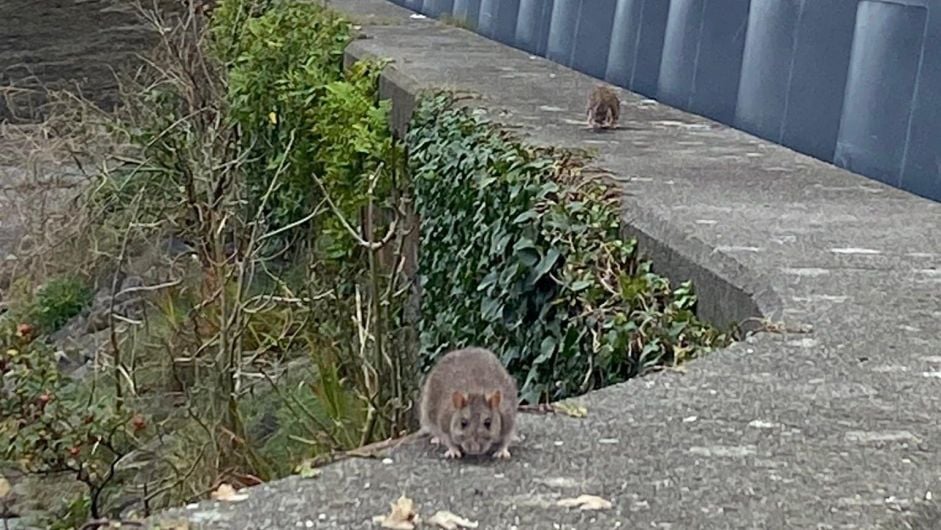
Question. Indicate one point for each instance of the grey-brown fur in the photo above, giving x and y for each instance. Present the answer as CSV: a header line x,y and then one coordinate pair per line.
x,y
472,385
604,107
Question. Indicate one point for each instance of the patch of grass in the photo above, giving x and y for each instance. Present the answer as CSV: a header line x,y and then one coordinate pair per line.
x,y
58,301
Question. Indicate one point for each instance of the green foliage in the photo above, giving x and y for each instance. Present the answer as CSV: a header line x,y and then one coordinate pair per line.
x,y
299,111
320,151
59,300
77,511
49,425
228,25
521,254
220,147
314,412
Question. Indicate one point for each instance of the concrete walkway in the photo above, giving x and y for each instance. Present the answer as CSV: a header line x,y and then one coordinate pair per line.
x,y
836,428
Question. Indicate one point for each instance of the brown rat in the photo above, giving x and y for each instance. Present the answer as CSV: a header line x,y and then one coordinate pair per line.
x,y
604,107
469,404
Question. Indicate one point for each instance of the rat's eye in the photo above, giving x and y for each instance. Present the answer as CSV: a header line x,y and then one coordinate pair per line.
x,y
463,424
487,423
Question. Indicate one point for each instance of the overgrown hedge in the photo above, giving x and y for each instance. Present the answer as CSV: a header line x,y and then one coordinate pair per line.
x,y
522,255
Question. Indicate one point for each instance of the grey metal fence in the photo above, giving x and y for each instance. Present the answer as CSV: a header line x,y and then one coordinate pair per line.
x,y
852,82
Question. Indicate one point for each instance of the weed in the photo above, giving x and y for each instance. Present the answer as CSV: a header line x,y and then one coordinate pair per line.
x,y
58,301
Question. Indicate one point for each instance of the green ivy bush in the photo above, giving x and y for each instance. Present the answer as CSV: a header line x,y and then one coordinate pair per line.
x,y
520,254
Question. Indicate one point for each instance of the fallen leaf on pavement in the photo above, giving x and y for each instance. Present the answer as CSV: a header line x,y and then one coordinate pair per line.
x,y
4,487
227,493
570,409
306,469
402,517
450,521
585,502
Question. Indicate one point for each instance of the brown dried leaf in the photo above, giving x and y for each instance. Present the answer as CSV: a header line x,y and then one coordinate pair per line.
x,y
402,517
585,502
450,521
4,487
227,493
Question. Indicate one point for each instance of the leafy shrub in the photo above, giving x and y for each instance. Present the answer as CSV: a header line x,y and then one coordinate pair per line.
x,y
320,153
59,300
229,18
49,425
521,254
299,110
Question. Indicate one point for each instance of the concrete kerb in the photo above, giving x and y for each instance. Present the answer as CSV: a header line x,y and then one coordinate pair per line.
x,y
728,292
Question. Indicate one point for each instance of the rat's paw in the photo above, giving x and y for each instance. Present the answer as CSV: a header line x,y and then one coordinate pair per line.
x,y
435,441
452,453
502,454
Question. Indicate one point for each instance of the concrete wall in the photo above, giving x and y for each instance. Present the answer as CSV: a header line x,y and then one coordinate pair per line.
x,y
852,82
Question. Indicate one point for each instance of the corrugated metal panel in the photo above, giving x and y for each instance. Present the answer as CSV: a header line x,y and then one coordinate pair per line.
x,y
854,82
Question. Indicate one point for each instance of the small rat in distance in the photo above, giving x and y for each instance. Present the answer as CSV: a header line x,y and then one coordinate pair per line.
x,y
469,404
604,108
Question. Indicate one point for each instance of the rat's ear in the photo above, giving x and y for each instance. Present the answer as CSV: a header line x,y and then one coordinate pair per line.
x,y
494,399
459,400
